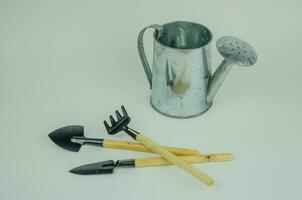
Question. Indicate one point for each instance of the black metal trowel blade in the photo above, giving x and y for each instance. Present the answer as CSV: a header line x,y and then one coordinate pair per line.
x,y
62,137
105,167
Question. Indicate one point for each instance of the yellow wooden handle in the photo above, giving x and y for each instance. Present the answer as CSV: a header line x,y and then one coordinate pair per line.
x,y
159,161
174,159
134,146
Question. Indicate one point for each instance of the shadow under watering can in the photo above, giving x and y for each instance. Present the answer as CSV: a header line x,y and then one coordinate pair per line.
x,y
181,81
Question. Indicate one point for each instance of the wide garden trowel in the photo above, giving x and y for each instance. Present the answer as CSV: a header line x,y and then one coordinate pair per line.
x,y
72,138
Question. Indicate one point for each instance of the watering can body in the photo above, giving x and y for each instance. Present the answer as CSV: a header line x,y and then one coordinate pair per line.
x,y
180,79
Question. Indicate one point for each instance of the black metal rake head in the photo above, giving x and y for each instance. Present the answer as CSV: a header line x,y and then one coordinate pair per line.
x,y
120,124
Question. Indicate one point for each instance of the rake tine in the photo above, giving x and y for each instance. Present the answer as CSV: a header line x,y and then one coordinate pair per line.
x,y
124,111
118,115
106,125
112,120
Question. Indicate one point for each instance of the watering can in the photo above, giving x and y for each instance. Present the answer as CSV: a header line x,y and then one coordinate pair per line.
x,y
181,80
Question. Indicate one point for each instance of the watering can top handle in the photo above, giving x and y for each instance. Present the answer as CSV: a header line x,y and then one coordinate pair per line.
x,y
141,51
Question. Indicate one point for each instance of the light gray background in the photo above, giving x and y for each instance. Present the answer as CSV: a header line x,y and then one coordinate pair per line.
x,y
74,62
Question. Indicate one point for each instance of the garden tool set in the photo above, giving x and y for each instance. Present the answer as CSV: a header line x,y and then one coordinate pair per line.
x,y
72,138
182,85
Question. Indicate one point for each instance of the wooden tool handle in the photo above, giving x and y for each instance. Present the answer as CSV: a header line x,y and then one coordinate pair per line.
x,y
174,159
134,146
159,161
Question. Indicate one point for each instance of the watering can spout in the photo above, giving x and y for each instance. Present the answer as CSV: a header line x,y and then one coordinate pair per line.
x,y
235,52
217,79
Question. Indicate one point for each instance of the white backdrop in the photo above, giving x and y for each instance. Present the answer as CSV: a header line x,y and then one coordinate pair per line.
x,y
75,62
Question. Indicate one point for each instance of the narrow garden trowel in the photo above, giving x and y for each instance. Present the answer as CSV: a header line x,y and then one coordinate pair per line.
x,y
72,138
108,166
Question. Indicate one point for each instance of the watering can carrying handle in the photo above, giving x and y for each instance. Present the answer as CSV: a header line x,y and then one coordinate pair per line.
x,y
141,51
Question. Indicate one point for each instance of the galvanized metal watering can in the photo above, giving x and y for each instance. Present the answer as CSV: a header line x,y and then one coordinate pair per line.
x,y
181,79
